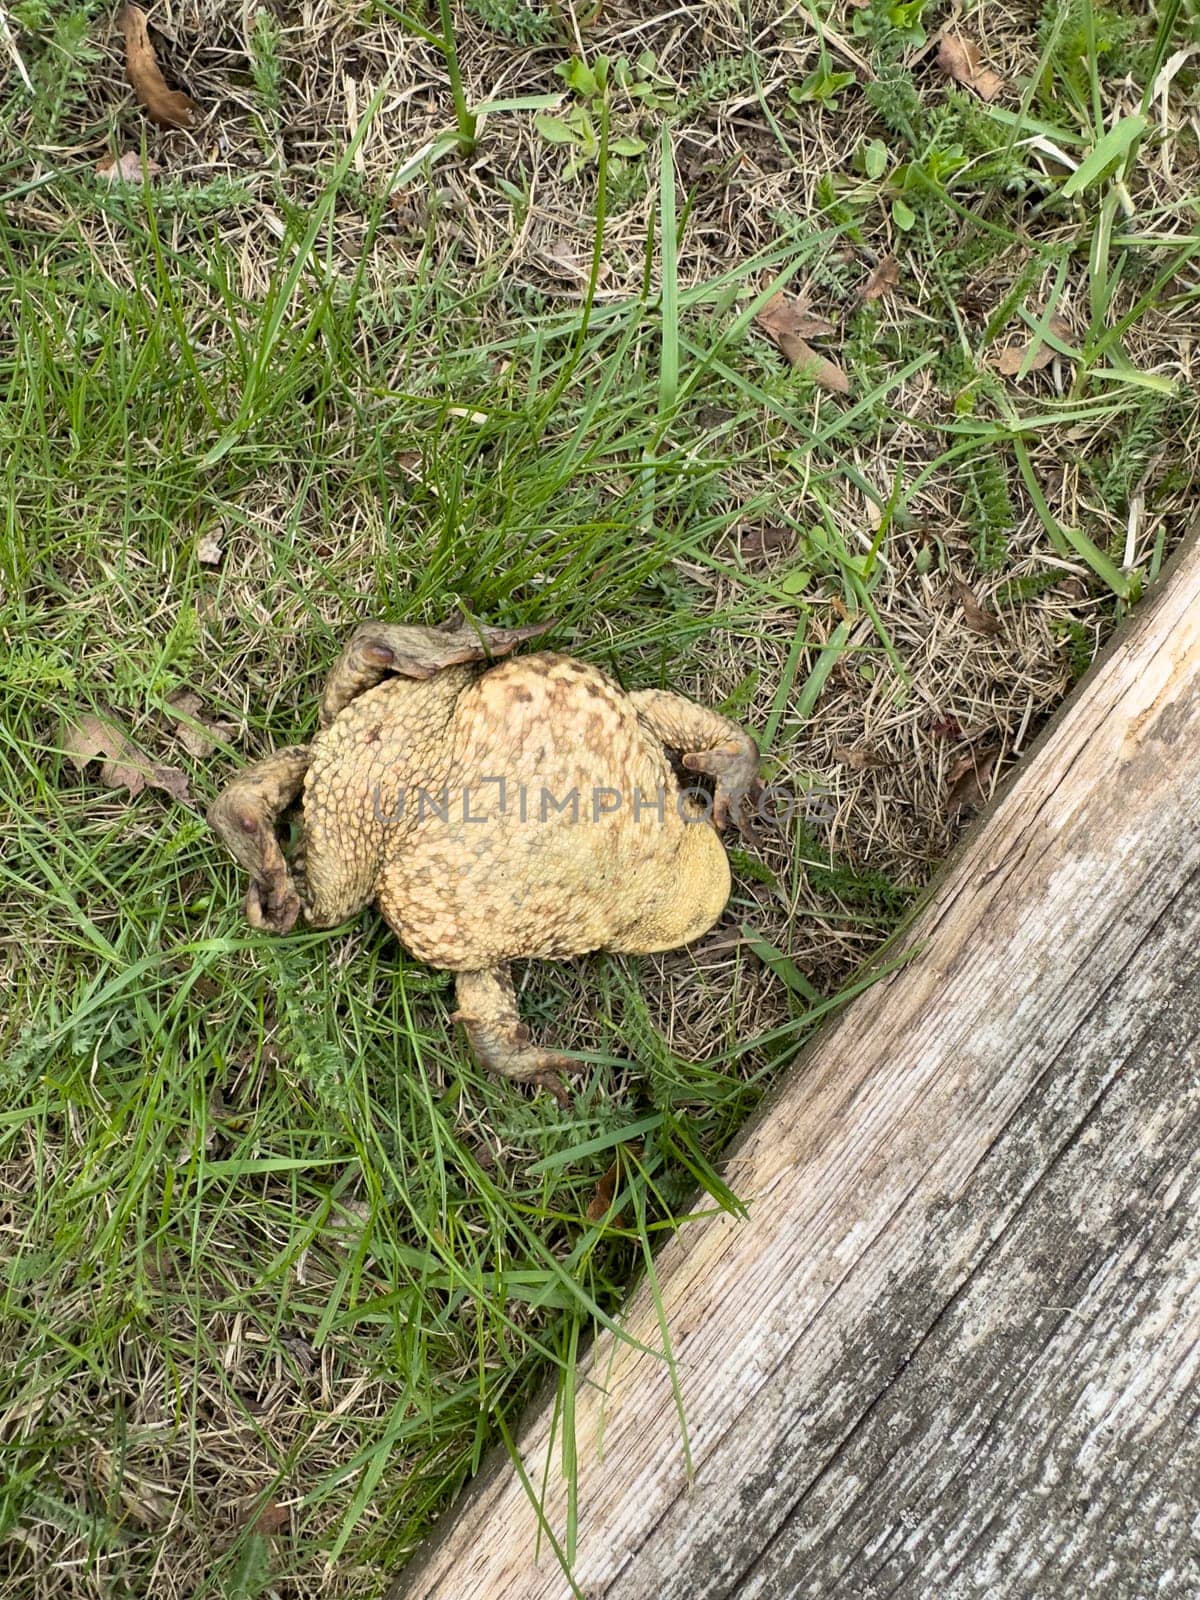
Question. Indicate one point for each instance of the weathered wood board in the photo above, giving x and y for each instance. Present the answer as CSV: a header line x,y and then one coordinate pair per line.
x,y
954,1350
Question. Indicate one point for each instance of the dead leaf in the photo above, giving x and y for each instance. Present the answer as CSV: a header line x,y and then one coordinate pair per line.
x,y
787,316
272,1518
171,781
969,779
861,758
788,323
197,733
978,618
961,59
169,108
89,737
128,168
1009,361
883,279
92,738
819,368
209,550
606,1187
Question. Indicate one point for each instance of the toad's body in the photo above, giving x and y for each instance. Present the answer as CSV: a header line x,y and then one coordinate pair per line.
x,y
524,812
525,809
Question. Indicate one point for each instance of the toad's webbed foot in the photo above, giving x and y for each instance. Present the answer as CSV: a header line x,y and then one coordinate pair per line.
x,y
245,815
379,648
711,744
487,1008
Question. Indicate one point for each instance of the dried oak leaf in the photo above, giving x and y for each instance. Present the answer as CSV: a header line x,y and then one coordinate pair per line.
x,y
1009,361
789,324
169,108
969,778
89,737
978,618
883,279
198,734
128,168
960,58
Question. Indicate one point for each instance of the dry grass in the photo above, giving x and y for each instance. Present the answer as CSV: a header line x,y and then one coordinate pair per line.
x,y
276,1257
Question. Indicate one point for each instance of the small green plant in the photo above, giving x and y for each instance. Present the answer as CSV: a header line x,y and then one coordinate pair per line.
x,y
987,499
891,26
265,64
868,895
595,85
1078,643
910,183
516,20
1080,38
61,57
716,81
821,88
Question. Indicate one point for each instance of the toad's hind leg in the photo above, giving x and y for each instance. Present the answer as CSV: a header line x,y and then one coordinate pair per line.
x,y
487,1008
377,648
245,815
708,743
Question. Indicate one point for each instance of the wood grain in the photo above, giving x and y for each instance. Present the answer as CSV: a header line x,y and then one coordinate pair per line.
x,y
954,1348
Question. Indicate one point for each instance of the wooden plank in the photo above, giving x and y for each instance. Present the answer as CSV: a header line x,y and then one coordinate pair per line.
x,y
954,1348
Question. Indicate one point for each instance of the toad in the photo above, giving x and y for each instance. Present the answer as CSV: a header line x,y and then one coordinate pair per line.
x,y
495,809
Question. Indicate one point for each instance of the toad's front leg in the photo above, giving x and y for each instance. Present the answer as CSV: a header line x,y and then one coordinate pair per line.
x,y
245,815
487,1008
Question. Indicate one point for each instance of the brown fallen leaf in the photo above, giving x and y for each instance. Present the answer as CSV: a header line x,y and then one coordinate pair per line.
x,y
169,108
788,316
1009,360
978,618
128,168
407,211
969,778
883,279
209,550
272,1518
788,323
198,734
819,368
960,58
606,1187
89,737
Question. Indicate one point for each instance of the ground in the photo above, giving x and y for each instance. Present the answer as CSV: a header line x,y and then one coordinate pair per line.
x,y
278,1260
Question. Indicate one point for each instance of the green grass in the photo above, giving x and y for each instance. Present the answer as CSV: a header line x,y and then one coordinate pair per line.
x,y
270,1234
